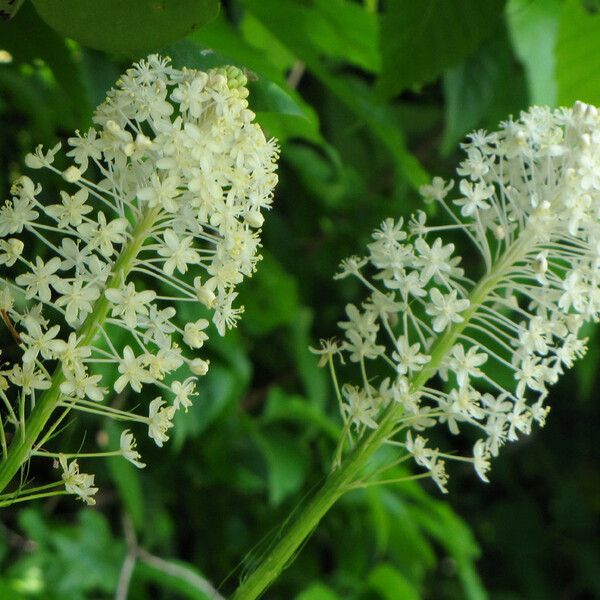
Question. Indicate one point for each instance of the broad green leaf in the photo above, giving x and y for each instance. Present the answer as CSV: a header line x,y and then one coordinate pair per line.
x,y
317,591
399,534
216,390
419,40
29,40
249,45
72,561
7,590
482,91
391,584
345,30
282,406
291,24
287,464
443,525
126,27
270,298
533,26
578,54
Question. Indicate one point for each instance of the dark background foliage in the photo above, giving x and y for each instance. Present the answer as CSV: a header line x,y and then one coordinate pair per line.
x,y
367,100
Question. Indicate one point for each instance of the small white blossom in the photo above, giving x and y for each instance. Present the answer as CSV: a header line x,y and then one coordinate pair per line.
x,y
160,420
133,371
80,484
127,445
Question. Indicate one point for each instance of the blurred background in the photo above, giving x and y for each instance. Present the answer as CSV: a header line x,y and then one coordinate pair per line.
x,y
369,100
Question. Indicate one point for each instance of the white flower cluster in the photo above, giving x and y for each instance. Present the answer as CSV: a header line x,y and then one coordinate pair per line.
x,y
481,354
164,207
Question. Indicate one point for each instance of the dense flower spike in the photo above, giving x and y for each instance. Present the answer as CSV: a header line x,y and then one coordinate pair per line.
x,y
167,189
529,201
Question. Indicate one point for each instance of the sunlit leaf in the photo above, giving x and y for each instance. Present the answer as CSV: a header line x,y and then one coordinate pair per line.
x,y
421,39
126,27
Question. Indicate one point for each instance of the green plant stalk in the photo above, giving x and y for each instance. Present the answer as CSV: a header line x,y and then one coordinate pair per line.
x,y
341,480
22,445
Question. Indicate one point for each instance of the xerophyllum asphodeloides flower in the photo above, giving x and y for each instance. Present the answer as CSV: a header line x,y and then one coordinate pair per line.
x,y
162,206
474,347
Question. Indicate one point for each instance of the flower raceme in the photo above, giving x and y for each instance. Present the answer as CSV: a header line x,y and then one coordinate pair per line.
x,y
163,206
479,355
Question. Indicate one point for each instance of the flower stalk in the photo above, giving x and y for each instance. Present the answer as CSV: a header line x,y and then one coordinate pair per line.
x,y
348,475
170,186
461,352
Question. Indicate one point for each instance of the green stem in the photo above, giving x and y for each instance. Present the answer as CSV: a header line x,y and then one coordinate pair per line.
x,y
344,478
32,497
20,449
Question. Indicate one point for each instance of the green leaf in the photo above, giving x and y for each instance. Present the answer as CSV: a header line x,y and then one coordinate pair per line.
x,y
391,584
482,91
282,406
533,27
419,40
438,519
219,388
74,561
126,27
578,54
29,40
346,31
287,464
270,298
317,591
291,24
8,591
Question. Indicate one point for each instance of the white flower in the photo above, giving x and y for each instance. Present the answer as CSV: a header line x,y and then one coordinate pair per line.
x,y
199,366
133,372
407,356
445,308
481,460
159,420
178,252
29,378
529,202
127,445
104,234
465,364
434,260
39,342
128,303
80,484
38,281
10,251
158,325
418,448
193,333
72,209
475,196
437,190
79,384
181,178
71,352
183,391
77,298
162,193
359,407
